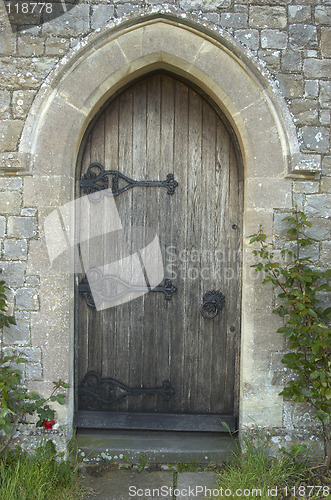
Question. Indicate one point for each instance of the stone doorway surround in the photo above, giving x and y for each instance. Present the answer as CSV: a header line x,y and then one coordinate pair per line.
x,y
99,66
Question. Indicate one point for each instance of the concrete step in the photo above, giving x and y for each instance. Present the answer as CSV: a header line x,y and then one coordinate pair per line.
x,y
154,446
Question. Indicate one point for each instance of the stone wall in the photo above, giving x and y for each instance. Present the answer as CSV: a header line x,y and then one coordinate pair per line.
x,y
291,39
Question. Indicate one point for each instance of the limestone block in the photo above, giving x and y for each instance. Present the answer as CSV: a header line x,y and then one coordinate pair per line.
x,y
27,299
7,43
14,74
22,100
206,5
22,227
316,139
326,185
30,46
34,371
13,273
248,37
10,131
4,105
305,187
10,202
101,14
305,111
292,61
325,116
291,85
268,193
325,256
317,68
56,46
326,42
273,39
271,57
18,334
42,190
326,165
2,226
318,205
320,228
325,94
311,88
15,249
10,183
9,161
322,14
302,36
74,21
267,17
234,20
30,354
299,13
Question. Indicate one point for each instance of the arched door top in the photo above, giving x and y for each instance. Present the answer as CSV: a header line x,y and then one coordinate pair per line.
x,y
104,62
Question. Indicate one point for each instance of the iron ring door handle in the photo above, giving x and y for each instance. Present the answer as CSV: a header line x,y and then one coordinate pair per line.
x,y
212,303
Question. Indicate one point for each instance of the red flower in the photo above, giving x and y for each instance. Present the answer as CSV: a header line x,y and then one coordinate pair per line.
x,y
48,424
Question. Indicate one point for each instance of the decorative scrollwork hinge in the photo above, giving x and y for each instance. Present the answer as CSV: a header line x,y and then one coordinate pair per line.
x,y
95,290
96,180
95,392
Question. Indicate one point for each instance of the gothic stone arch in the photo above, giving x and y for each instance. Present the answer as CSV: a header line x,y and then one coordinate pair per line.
x,y
86,77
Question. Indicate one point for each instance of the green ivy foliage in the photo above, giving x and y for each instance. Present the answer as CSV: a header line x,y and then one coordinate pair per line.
x,y
306,324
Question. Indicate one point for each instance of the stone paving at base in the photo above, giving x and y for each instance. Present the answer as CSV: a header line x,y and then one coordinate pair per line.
x,y
168,485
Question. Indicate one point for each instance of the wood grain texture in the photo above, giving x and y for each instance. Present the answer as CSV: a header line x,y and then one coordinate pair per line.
x,y
158,126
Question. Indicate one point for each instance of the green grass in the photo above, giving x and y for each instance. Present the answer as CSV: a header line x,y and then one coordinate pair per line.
x,y
254,474
37,476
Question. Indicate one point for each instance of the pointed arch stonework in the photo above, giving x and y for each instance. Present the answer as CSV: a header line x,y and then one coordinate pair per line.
x,y
85,79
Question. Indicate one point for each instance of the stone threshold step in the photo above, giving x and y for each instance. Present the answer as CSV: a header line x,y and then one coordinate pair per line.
x,y
154,446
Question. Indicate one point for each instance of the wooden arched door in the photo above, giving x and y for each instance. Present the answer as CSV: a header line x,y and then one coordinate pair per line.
x,y
163,360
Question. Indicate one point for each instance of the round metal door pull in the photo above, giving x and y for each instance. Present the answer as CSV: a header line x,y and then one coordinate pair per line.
x,y
212,303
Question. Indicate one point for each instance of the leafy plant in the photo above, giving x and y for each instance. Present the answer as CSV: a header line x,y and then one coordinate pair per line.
x,y
306,323
16,401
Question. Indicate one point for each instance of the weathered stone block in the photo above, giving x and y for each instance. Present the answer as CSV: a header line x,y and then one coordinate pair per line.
x,y
34,371
322,14
325,256
305,187
318,205
326,187
42,191
325,116
325,94
101,14
234,20
207,5
18,334
32,281
271,57
10,202
5,105
291,85
10,183
14,74
9,161
15,249
273,39
28,212
302,36
320,228
326,42
271,193
311,88
267,17
299,13
10,132
27,299
127,8
30,354
248,37
22,227
22,100
305,111
56,46
13,273
317,68
7,43
316,139
2,226
29,46
292,61
70,23
326,165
